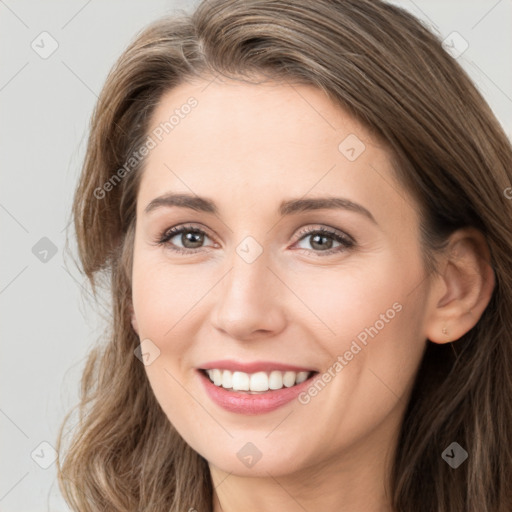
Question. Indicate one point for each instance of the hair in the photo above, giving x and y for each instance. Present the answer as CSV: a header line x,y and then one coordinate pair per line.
x,y
391,73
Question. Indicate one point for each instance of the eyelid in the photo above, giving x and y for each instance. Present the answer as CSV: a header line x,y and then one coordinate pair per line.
x,y
325,229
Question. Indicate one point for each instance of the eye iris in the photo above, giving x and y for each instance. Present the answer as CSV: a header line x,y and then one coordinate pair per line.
x,y
193,237
315,244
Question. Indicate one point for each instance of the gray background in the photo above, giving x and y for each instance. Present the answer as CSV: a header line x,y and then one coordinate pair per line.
x,y
48,323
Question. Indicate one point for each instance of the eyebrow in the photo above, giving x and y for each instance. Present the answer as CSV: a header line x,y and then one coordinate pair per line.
x,y
288,207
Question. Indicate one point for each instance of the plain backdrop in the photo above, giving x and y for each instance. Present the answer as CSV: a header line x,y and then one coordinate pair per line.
x,y
54,59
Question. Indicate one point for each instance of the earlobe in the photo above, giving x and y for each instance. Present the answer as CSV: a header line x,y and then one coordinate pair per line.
x,y
464,287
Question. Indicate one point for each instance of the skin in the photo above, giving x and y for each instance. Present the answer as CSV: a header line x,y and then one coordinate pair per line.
x,y
248,147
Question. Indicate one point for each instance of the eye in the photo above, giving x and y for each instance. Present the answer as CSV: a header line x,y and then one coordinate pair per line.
x,y
322,241
190,237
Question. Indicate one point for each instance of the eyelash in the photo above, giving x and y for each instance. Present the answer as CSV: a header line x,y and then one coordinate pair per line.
x,y
347,241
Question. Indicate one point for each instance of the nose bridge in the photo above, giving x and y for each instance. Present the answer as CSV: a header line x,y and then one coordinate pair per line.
x,y
247,300
249,275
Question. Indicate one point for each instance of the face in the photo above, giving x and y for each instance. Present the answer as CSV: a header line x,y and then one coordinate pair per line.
x,y
291,253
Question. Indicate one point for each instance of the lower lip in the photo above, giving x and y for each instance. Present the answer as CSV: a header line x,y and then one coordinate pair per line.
x,y
244,403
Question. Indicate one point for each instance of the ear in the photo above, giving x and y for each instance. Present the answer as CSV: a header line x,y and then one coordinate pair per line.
x,y
133,319
463,288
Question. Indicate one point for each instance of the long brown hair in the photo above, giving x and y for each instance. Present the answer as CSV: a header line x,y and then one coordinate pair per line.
x,y
386,69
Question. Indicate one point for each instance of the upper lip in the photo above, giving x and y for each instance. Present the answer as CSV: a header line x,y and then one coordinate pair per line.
x,y
253,367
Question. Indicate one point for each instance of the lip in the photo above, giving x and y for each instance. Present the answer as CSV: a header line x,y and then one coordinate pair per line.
x,y
248,404
255,366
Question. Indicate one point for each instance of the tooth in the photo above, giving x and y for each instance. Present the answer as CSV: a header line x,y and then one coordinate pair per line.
x,y
256,382
289,379
217,377
227,380
259,382
301,377
275,380
240,381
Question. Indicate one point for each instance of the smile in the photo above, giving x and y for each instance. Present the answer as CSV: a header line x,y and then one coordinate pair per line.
x,y
254,393
259,382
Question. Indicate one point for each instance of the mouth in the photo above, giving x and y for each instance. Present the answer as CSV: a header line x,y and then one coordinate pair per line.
x,y
256,383
256,387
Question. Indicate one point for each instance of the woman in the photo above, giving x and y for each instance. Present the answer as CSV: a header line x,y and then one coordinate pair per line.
x,y
301,211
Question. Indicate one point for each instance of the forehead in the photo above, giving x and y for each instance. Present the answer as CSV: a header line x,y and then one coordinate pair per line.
x,y
256,114
265,142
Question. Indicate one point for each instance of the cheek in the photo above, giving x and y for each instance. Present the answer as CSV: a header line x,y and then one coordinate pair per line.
x,y
348,299
163,294
370,314
370,328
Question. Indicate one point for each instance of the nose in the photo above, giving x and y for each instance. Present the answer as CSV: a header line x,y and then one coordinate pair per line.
x,y
250,303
